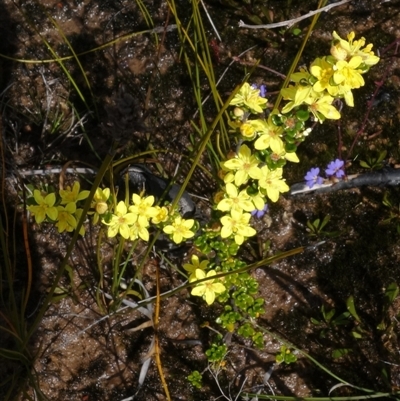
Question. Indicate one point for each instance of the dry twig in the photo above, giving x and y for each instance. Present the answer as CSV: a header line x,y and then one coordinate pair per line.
x,y
291,22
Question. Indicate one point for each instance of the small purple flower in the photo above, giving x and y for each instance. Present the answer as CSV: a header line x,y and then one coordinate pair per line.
x,y
260,213
335,168
263,89
312,177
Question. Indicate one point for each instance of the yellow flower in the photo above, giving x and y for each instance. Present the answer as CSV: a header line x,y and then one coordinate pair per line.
x,y
247,129
237,224
235,200
229,177
272,182
322,105
318,102
258,200
269,135
121,221
206,289
280,153
245,164
346,73
73,195
345,50
143,206
249,97
45,206
99,203
161,216
195,265
323,71
296,94
139,229
348,96
303,76
180,229
66,220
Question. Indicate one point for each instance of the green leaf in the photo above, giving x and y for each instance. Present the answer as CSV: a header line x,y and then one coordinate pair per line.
x,y
391,292
315,321
266,13
70,272
277,120
285,355
323,333
296,31
338,353
290,147
332,234
325,221
290,358
381,156
290,141
59,294
382,325
328,315
302,115
364,164
352,309
299,126
386,201
316,223
310,225
255,19
342,319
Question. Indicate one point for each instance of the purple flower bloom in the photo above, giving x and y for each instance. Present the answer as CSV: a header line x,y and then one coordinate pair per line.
x,y
263,89
260,213
312,177
335,168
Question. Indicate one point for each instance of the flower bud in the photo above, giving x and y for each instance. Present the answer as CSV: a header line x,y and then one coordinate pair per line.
x,y
238,112
101,207
338,52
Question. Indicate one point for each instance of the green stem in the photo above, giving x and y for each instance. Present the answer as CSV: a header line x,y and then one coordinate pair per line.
x,y
264,262
322,3
104,167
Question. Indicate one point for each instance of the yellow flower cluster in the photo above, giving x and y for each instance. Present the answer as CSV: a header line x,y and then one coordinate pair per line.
x,y
237,201
331,77
250,99
64,211
254,174
239,170
207,289
267,135
133,221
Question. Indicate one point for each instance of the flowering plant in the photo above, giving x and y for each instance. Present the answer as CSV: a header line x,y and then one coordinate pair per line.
x,y
251,177
61,210
334,170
